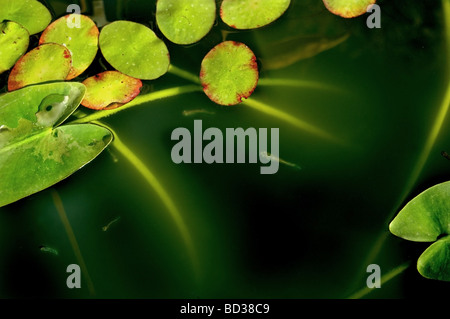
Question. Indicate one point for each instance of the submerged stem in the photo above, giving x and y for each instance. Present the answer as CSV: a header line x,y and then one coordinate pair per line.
x,y
384,279
73,241
151,179
141,99
184,74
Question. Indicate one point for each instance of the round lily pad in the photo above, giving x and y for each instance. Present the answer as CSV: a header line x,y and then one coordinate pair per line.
x,y
185,21
82,41
109,90
134,50
31,14
48,62
347,8
251,14
229,73
14,41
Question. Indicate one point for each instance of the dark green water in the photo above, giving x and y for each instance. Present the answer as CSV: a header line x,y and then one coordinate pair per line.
x,y
297,234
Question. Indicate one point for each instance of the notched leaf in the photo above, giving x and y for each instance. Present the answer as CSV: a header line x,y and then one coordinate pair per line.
x,y
110,89
31,14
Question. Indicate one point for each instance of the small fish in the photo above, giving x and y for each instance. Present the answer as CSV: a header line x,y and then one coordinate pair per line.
x,y
446,155
49,250
274,158
195,112
105,228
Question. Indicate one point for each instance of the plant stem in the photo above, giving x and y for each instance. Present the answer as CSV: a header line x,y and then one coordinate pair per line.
x,y
151,179
384,279
296,84
141,99
184,74
73,241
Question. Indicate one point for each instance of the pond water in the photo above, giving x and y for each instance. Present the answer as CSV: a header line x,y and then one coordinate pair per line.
x,y
308,231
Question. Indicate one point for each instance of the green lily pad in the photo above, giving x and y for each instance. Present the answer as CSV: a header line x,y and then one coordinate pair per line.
x,y
82,42
31,14
348,8
426,218
229,73
185,21
134,50
35,152
251,14
109,90
14,41
47,62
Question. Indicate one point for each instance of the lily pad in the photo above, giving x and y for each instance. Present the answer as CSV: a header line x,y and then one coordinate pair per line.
x,y
134,50
348,8
109,90
426,218
47,62
31,14
35,152
251,14
229,73
14,41
82,41
185,21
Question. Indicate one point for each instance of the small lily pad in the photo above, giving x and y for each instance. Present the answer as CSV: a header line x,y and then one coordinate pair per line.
x,y
348,8
426,218
82,41
109,90
251,14
185,21
14,41
229,73
48,62
134,50
31,14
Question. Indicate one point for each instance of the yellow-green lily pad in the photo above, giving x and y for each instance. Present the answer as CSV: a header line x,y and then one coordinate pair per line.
x,y
348,8
110,89
229,73
31,14
252,14
134,49
82,41
47,62
185,21
14,41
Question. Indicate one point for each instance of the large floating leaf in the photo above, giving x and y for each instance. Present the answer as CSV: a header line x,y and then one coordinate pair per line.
x,y
251,14
48,62
229,73
14,41
185,21
348,8
425,219
82,41
34,152
32,14
109,90
134,50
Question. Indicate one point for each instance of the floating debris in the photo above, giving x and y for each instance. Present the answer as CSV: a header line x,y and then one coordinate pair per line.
x,y
105,228
198,111
274,158
446,155
48,250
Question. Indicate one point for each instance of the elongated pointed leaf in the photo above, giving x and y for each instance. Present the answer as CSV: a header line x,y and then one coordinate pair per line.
x,y
185,21
14,41
32,14
47,62
43,160
81,40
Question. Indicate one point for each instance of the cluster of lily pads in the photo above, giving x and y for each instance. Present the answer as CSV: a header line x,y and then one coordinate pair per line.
x,y
37,151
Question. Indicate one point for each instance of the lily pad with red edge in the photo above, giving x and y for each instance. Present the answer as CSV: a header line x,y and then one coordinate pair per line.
x,y
47,62
229,73
185,21
348,8
110,89
14,41
252,14
82,41
134,49
31,14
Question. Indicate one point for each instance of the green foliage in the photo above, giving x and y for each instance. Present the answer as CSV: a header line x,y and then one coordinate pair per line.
x,y
348,8
31,14
14,41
